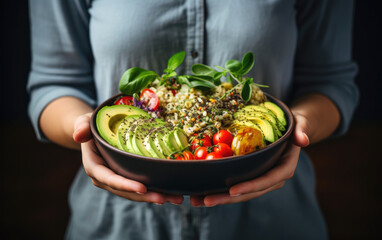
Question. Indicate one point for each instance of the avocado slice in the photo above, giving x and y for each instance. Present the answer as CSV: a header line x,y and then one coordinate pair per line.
x,y
130,134
110,117
264,126
123,131
277,111
140,134
160,142
181,138
258,108
271,118
255,115
150,144
171,142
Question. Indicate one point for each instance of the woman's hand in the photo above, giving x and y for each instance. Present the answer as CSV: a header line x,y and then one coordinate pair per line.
x,y
317,117
105,178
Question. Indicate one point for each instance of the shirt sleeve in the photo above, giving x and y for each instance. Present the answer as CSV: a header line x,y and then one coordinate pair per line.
x,y
61,55
323,61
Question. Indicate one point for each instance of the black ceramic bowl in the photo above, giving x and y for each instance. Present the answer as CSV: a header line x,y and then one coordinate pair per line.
x,y
196,176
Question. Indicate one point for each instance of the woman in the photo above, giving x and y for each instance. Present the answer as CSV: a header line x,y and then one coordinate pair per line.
x,y
302,48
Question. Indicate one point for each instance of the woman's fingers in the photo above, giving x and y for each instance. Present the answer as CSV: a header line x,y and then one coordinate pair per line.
x,y
301,131
221,199
105,178
271,180
152,197
96,169
197,201
281,172
147,197
82,128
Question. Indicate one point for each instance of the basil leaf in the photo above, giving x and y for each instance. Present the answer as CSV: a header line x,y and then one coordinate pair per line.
x,y
218,75
229,79
201,69
202,83
175,61
202,78
246,91
233,65
135,79
184,80
247,63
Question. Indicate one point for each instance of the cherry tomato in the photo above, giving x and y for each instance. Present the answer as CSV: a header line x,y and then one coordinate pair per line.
x,y
201,153
214,155
187,155
223,136
176,156
205,142
149,99
223,149
126,100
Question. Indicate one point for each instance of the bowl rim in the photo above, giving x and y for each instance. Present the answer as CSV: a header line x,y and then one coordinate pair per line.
x,y
287,111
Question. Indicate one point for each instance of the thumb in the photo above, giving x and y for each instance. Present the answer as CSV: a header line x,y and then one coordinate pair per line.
x,y
301,131
82,132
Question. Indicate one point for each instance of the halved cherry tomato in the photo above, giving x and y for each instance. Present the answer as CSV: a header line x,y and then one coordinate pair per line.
x,y
149,99
205,142
214,155
223,149
175,156
188,155
126,100
201,153
223,136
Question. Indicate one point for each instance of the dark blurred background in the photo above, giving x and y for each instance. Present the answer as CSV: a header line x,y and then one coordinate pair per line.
x,y
35,177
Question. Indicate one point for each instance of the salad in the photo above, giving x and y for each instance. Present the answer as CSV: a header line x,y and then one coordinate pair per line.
x,y
187,117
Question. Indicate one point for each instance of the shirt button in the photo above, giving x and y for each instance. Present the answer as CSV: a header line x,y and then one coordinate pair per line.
x,y
194,54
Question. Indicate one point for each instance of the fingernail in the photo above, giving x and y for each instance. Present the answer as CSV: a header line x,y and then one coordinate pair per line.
x,y
235,195
140,193
76,130
306,136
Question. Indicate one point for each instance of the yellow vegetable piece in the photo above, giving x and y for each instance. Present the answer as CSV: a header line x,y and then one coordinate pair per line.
x,y
247,140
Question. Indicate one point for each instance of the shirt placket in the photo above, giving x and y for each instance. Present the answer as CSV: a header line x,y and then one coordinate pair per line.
x,y
195,33
194,54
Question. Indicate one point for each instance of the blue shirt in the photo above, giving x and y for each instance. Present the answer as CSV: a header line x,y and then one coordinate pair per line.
x,y
81,48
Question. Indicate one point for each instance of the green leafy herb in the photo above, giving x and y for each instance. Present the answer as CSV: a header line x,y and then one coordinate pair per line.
x,y
233,65
201,69
175,61
184,80
135,79
204,86
204,77
246,91
247,63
